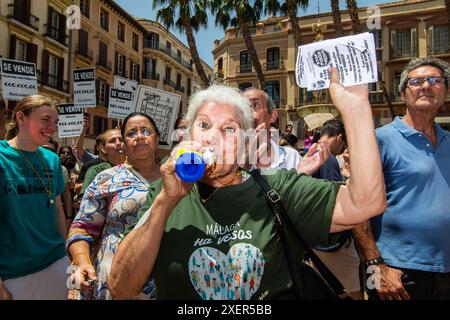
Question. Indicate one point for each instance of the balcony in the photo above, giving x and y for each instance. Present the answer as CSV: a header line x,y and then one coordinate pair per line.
x,y
242,68
150,76
170,83
273,65
52,81
84,52
56,34
21,15
104,63
148,44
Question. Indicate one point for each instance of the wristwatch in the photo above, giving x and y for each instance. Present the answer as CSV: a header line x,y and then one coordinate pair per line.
x,y
374,262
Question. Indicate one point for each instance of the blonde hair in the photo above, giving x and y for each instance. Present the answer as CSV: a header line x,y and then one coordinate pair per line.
x,y
27,105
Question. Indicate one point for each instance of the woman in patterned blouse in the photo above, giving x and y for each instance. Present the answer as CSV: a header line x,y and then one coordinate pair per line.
x,y
110,204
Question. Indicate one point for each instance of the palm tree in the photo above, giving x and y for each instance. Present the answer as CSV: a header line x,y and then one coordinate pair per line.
x,y
290,8
245,16
353,11
336,12
191,16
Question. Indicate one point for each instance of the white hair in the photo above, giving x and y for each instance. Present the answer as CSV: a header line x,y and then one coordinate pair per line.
x,y
221,94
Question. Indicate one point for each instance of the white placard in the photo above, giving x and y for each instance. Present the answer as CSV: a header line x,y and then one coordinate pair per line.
x,y
125,84
163,107
121,103
84,88
354,56
18,79
70,120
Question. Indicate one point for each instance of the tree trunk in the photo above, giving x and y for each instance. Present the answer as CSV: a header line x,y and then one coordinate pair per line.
x,y
337,17
353,11
251,49
447,6
292,9
194,53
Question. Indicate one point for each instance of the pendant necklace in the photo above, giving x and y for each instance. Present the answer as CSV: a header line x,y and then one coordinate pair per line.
x,y
47,190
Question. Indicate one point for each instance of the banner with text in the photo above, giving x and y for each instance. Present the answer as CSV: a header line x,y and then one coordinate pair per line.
x,y
121,103
84,88
70,120
18,79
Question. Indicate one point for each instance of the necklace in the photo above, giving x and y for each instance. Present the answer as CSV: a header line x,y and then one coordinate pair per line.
x,y
47,190
202,199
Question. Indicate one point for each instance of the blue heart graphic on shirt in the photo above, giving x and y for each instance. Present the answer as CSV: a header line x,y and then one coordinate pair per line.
x,y
235,276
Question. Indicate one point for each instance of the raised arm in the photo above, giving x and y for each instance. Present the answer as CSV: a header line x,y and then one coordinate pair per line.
x,y
365,195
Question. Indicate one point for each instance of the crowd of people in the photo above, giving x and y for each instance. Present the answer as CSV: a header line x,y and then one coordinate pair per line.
x,y
119,223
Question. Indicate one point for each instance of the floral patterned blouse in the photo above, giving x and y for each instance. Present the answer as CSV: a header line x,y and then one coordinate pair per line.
x,y
109,205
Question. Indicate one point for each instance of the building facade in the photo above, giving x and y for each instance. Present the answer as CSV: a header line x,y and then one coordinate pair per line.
x,y
408,29
110,40
35,31
167,63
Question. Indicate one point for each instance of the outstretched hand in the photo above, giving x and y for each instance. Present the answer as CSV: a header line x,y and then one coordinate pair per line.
x,y
313,159
345,98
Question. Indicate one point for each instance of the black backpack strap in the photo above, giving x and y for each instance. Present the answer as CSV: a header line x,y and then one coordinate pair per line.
x,y
274,201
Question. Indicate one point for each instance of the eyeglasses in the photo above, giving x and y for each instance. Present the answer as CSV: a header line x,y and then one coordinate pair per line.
x,y
146,132
65,152
433,81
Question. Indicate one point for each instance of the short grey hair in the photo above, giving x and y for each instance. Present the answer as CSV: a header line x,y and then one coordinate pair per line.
x,y
442,65
269,101
221,94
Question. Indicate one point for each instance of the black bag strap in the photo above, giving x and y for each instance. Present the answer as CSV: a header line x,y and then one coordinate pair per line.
x,y
283,220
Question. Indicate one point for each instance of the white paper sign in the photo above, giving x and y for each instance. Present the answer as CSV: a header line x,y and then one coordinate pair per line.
x,y
70,120
354,56
18,79
163,107
84,88
121,103
125,84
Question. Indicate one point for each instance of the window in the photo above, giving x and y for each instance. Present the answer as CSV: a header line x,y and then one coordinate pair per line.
x,y
179,55
245,63
103,55
188,85
153,40
178,80
273,58
102,92
220,64
135,42
104,19
53,71
84,7
404,43
134,71
168,47
150,68
120,65
21,51
438,39
273,90
121,31
245,85
100,125
54,31
168,73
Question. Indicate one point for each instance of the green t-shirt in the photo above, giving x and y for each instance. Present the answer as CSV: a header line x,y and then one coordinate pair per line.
x,y
92,172
29,238
228,248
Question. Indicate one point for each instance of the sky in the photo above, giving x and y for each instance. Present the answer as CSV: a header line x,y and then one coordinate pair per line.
x,y
205,37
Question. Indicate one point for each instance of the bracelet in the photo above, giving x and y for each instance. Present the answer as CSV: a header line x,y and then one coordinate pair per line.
x,y
374,262
84,254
